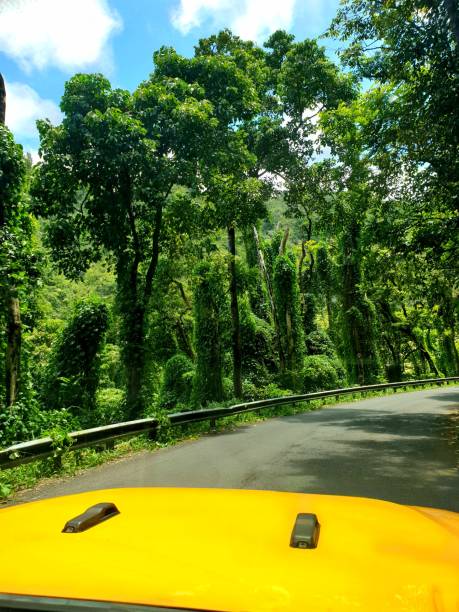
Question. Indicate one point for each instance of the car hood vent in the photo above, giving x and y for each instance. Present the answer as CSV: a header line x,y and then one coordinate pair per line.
x,y
305,533
92,516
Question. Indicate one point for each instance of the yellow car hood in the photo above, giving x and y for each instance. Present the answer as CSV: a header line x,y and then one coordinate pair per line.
x,y
213,549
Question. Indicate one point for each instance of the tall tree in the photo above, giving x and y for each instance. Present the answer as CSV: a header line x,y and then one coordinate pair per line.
x,y
410,50
209,307
233,76
350,198
286,293
74,368
107,177
13,230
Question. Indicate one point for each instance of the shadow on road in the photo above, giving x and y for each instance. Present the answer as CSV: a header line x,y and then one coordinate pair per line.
x,y
402,448
410,458
445,397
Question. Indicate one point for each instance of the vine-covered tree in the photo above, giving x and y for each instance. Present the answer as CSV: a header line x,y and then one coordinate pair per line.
x,y
233,76
107,173
209,304
15,254
287,296
247,218
73,373
410,50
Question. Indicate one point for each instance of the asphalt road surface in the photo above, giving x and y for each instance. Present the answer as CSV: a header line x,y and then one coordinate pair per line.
x,y
402,447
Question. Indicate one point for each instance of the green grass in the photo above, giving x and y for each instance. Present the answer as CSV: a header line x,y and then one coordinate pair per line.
x,y
72,462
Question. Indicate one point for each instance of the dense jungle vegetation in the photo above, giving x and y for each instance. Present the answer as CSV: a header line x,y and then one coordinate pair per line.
x,y
251,221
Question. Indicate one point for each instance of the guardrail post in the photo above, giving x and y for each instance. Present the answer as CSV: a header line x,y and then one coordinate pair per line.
x,y
152,433
57,462
213,424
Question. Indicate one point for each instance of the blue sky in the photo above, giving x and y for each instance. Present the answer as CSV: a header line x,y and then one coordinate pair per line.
x,y
44,42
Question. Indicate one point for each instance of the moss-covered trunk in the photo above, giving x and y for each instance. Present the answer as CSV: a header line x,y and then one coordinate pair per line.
x,y
287,298
13,350
208,300
13,315
358,316
134,295
235,323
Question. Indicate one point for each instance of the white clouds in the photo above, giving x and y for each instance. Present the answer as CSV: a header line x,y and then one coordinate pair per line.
x,y
250,19
191,13
23,107
34,155
69,34
262,17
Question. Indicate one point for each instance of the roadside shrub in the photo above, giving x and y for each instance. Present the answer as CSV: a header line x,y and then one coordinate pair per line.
x,y
319,343
257,338
73,373
25,421
228,387
111,368
253,393
177,384
110,406
321,373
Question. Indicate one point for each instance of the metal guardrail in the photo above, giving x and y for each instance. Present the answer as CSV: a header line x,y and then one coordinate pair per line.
x,y
27,452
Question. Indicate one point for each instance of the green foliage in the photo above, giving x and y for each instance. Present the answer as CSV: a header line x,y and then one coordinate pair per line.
x,y
257,336
13,169
19,263
309,312
111,373
287,297
110,406
259,300
209,305
359,342
253,392
320,373
319,343
24,421
177,385
411,115
140,191
104,187
74,369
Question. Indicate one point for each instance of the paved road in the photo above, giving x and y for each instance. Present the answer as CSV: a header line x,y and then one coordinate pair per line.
x,y
403,447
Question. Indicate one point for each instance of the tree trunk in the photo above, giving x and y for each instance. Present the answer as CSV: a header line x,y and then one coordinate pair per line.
x,y
394,371
14,331
236,335
134,354
446,324
134,306
455,352
405,329
186,345
269,288
359,324
283,244
290,345
453,17
13,351
132,333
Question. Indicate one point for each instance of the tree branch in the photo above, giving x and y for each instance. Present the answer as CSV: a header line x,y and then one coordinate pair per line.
x,y
155,246
155,253
182,293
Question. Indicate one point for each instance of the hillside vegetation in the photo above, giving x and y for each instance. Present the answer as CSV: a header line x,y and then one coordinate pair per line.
x,y
249,222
